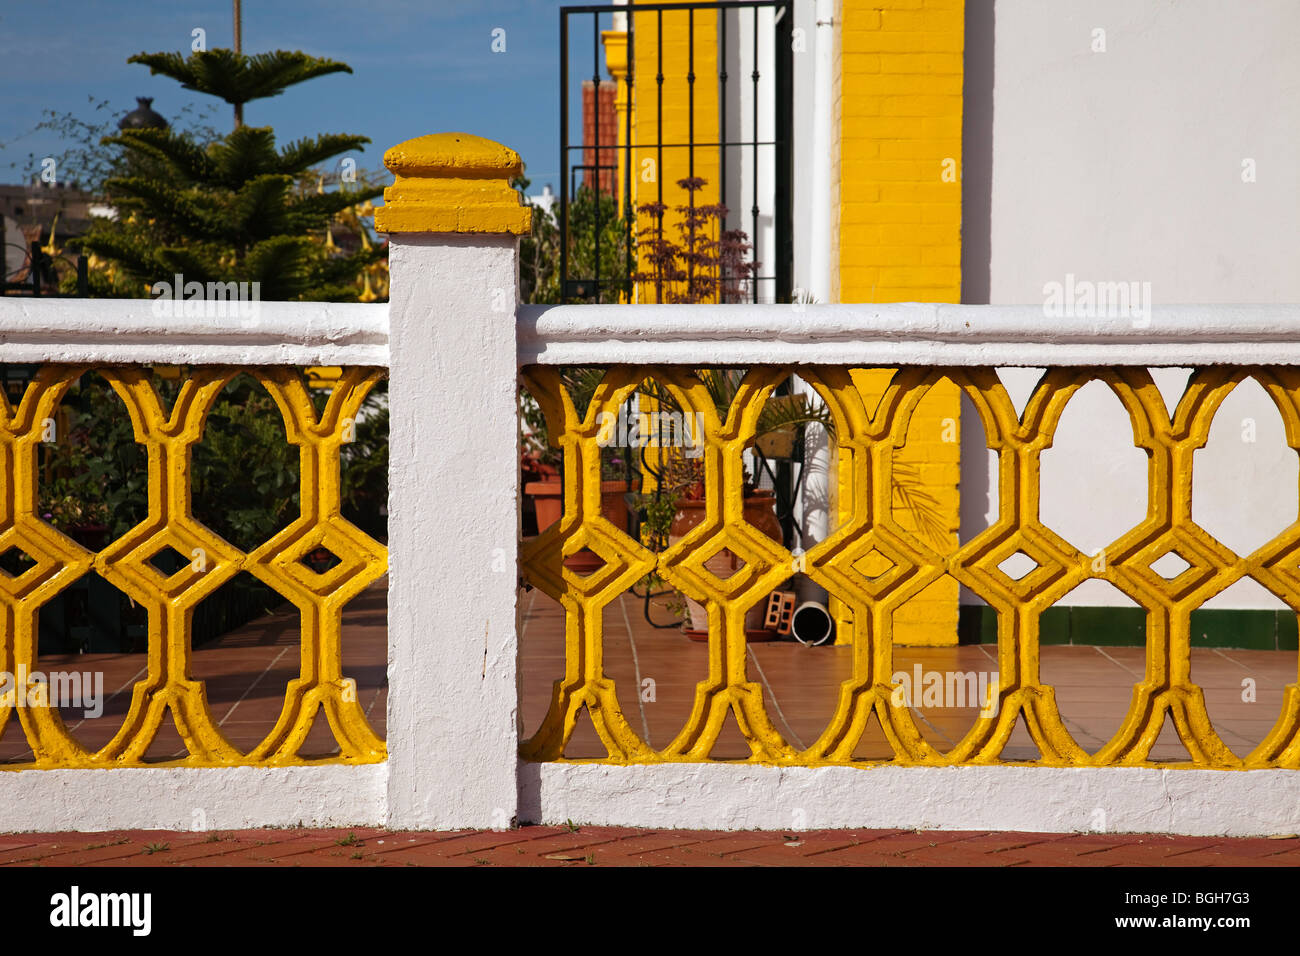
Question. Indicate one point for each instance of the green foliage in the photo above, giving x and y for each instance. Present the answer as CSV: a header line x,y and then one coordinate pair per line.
x,y
245,474
539,253
598,247
660,509
94,475
244,478
234,208
365,466
239,78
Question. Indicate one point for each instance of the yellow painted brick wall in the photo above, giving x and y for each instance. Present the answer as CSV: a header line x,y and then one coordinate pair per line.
x,y
677,161
896,215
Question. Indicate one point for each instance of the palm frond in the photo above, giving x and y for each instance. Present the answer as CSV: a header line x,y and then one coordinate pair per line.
x,y
582,384
910,491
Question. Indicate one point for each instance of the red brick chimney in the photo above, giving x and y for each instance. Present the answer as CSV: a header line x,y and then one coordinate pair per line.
x,y
604,110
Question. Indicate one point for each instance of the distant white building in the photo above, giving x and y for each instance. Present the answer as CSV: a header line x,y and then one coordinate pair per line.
x,y
544,200
15,247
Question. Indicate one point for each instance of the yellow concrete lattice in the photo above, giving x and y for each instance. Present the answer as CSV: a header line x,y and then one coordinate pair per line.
x,y
169,438
873,565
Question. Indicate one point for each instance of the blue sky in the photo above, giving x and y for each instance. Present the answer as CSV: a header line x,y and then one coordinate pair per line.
x,y
419,66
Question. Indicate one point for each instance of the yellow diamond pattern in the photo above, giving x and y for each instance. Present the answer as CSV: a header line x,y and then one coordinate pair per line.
x,y
872,565
168,687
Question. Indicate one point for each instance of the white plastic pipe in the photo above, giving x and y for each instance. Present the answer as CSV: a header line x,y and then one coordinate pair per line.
x,y
813,506
811,623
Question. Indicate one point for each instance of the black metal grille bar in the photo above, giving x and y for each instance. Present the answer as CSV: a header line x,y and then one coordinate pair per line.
x,y
753,236
652,7
595,97
42,279
563,218
722,112
659,114
629,85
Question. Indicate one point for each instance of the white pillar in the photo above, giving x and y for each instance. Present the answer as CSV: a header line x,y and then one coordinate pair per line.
x,y
453,499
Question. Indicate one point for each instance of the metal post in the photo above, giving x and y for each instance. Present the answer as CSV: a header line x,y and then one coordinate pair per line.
x,y
783,216
629,212
753,209
597,170
564,156
34,272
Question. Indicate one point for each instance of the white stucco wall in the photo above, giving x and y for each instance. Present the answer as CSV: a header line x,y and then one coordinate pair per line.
x,y
1127,166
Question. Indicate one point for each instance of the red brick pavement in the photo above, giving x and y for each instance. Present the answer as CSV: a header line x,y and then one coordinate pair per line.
x,y
611,846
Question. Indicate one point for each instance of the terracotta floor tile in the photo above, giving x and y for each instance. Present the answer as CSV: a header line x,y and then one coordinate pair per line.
x,y
248,670
608,846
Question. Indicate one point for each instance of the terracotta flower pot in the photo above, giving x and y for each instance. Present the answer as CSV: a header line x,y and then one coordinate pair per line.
x,y
549,502
760,511
612,505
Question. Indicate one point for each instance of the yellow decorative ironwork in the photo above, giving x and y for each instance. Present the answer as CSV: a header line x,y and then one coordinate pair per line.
x,y
168,685
873,565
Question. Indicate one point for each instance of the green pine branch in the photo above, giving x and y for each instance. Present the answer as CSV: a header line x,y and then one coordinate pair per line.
x,y
282,264
259,209
314,211
309,152
233,207
178,211
243,154
239,78
176,150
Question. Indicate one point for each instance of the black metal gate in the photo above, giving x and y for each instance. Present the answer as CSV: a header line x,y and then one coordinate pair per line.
x,y
42,279
593,267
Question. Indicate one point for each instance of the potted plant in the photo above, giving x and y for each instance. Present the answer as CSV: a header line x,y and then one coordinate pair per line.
x,y
684,487
540,463
678,504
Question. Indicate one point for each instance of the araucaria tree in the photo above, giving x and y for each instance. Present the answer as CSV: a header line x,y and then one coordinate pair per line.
x,y
236,209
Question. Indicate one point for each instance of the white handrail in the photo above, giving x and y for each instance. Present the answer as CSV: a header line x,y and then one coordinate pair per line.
x,y
223,333
906,333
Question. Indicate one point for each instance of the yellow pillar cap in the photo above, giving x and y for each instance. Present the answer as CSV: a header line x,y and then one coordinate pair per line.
x,y
452,182
615,42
